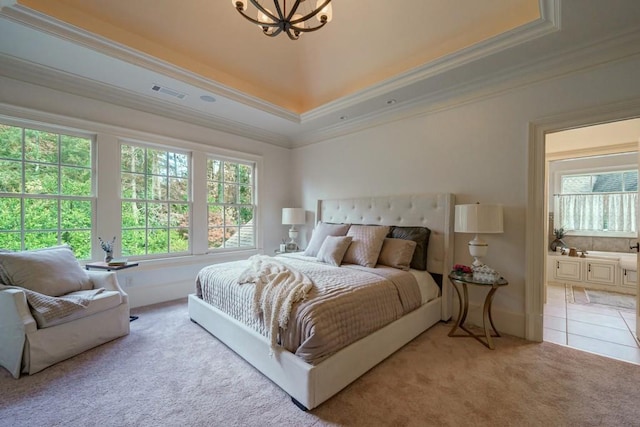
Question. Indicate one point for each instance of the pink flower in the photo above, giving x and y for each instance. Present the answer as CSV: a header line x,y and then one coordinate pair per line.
x,y
462,269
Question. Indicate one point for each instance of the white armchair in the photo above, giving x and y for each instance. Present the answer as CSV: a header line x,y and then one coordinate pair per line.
x,y
30,342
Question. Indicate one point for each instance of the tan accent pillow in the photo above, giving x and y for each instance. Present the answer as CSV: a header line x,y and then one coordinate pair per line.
x,y
420,235
333,249
52,271
321,231
366,244
397,253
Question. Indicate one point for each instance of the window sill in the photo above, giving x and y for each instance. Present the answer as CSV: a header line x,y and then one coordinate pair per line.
x,y
180,261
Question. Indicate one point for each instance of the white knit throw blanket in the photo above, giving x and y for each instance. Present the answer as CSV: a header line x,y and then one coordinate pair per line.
x,y
278,287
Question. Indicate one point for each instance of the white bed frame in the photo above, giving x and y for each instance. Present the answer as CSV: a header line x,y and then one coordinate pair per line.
x,y
310,385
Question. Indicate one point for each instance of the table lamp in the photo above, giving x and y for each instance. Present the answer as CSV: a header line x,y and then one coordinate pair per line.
x,y
293,217
479,219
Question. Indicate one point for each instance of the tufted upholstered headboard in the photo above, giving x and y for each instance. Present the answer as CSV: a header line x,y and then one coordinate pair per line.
x,y
434,211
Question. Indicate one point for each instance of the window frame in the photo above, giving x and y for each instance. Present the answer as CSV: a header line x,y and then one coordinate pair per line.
x,y
253,164
59,197
106,210
189,202
557,178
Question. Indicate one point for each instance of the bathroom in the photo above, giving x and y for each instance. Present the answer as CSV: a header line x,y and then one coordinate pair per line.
x,y
593,200
591,302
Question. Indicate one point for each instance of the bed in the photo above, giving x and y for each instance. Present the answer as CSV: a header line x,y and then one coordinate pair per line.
x,y
311,377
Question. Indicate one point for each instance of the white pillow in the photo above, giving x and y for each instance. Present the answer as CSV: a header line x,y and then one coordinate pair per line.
x,y
366,244
397,253
333,249
51,271
321,231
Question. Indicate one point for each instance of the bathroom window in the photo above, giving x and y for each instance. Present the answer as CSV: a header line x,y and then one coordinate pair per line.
x,y
600,202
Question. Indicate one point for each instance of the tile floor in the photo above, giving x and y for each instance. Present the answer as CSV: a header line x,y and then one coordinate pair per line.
x,y
594,328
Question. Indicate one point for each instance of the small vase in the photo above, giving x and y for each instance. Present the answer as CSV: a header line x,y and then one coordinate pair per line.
x,y
557,243
108,256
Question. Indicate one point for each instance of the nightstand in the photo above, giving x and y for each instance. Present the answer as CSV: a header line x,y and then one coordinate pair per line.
x,y
461,281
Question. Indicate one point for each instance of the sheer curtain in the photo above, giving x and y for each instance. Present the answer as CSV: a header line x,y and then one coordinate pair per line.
x,y
596,212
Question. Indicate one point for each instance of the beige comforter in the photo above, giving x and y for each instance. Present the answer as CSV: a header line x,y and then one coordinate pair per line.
x,y
345,303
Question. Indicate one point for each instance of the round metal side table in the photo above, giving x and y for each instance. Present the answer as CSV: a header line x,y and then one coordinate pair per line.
x,y
461,281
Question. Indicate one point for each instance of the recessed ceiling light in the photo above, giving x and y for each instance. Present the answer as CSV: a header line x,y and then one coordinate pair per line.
x,y
208,98
391,102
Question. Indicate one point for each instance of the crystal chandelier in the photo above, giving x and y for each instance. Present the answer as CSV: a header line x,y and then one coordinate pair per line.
x,y
287,20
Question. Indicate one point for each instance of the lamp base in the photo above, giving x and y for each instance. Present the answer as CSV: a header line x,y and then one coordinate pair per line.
x,y
478,248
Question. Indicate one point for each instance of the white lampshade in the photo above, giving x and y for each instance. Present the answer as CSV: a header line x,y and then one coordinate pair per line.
x,y
293,216
478,218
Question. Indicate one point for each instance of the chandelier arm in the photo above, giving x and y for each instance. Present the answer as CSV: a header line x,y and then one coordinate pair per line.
x,y
293,36
292,11
311,14
255,21
266,12
308,30
275,33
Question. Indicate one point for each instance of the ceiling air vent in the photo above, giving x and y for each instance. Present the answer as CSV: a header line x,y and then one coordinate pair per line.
x,y
167,91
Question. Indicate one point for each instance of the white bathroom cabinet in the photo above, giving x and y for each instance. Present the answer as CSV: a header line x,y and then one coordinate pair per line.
x,y
603,272
568,269
591,273
629,278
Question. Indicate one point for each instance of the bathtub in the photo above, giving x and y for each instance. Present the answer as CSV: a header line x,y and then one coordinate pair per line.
x,y
627,260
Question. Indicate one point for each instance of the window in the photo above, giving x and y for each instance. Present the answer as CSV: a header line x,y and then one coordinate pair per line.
x,y
598,201
231,204
155,201
46,189
55,190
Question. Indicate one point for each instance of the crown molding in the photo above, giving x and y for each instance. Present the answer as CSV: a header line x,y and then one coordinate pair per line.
x,y
40,75
549,22
571,60
560,64
63,30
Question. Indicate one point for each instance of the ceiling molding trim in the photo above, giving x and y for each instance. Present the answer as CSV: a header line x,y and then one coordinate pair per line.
x,y
37,74
561,64
548,23
7,3
626,147
60,29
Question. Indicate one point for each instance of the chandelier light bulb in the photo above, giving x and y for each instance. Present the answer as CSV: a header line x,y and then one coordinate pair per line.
x,y
264,18
239,4
326,13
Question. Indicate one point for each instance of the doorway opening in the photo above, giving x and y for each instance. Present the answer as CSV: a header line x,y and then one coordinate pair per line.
x,y
591,279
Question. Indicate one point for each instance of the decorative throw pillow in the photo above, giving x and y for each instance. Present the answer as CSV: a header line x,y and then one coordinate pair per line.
x,y
420,235
397,253
333,249
51,271
366,244
321,231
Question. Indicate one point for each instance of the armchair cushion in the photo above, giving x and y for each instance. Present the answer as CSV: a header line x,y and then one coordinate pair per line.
x,y
97,302
52,271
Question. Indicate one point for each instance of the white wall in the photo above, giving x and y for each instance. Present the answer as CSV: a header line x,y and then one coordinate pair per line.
x,y
157,281
477,151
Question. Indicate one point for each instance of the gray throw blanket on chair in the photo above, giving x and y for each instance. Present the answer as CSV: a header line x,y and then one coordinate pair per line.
x,y
56,307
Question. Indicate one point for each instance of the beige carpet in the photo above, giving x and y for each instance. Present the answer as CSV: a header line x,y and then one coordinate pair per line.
x,y
170,372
